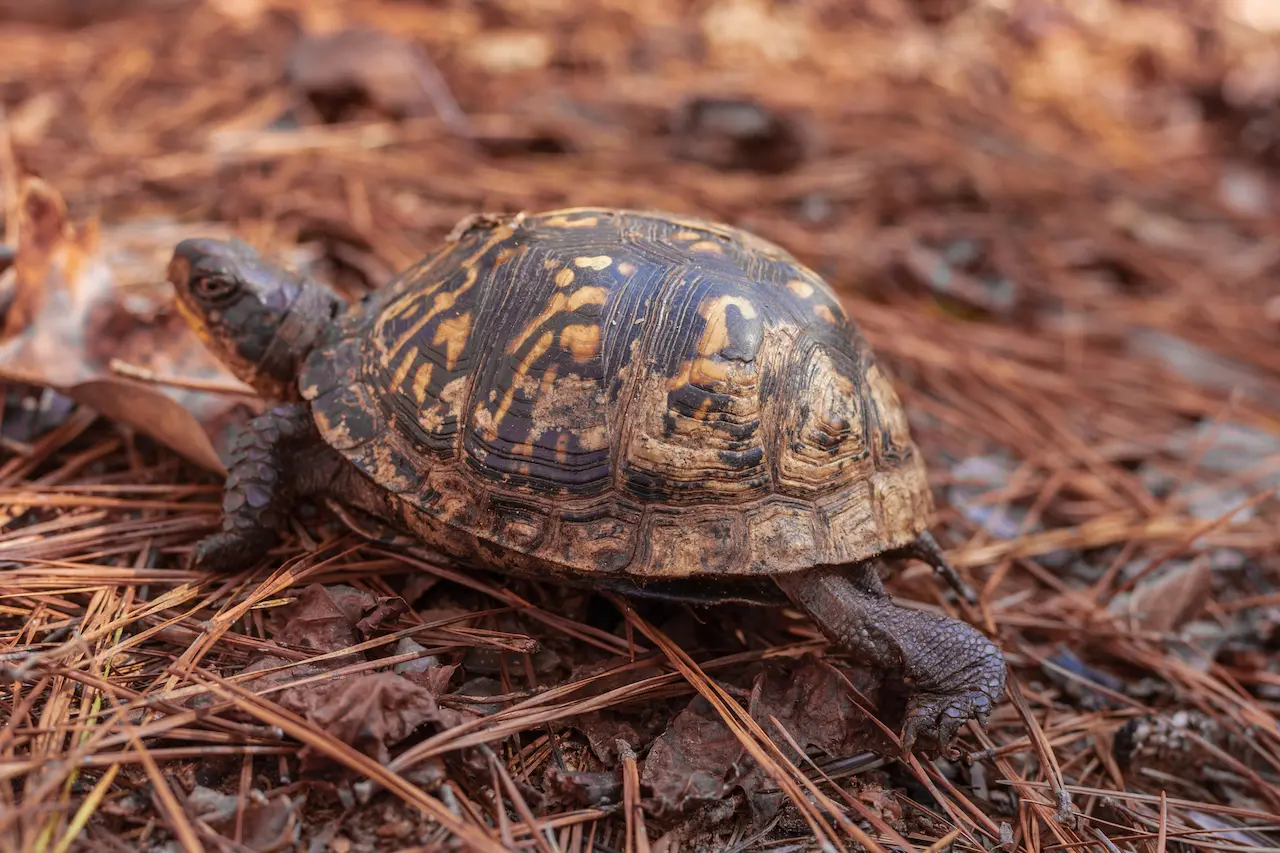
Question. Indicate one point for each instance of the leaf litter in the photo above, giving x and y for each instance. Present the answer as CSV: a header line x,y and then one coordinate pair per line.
x,y
1055,224
698,760
69,319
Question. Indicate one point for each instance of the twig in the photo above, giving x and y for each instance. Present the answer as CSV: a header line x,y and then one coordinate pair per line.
x,y
213,386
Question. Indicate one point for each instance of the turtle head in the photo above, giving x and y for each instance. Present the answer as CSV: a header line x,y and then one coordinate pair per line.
x,y
260,319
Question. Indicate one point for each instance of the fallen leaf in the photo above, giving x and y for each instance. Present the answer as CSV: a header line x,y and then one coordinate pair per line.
x,y
603,729
434,678
323,618
277,672
583,788
615,678
1173,598
67,320
386,610
812,703
698,759
370,712
350,67
267,824
884,803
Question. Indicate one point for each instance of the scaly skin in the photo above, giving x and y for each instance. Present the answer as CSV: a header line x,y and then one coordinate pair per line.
x,y
259,482
955,673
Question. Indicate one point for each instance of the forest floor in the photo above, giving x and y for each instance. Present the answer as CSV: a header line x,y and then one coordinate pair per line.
x,y
1058,225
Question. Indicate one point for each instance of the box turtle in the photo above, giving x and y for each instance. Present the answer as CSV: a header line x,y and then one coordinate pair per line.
x,y
640,401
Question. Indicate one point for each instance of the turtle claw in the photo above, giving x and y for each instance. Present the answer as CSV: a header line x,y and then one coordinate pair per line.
x,y
939,717
226,552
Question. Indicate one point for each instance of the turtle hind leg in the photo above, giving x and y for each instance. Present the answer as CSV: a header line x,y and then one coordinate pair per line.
x,y
257,489
953,672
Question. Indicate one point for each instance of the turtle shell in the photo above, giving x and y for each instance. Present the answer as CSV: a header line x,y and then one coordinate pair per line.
x,y
612,392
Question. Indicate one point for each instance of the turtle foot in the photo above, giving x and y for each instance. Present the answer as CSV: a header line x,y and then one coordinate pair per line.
x,y
938,717
226,552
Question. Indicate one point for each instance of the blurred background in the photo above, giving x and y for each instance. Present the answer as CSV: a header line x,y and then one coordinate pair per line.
x,y
1056,222
1098,175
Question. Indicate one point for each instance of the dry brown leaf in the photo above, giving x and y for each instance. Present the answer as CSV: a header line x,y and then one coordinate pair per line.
x,y
812,703
583,788
386,610
362,65
323,618
67,320
267,825
603,730
370,711
1169,601
698,760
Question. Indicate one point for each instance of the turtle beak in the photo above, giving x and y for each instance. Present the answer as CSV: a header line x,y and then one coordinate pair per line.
x,y
193,320
178,275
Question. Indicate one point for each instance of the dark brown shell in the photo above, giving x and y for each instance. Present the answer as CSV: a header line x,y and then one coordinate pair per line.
x,y
600,391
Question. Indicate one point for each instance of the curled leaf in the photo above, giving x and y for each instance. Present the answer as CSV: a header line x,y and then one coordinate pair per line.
x,y
68,319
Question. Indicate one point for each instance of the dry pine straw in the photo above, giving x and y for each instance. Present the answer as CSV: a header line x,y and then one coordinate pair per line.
x,y
108,657
123,670
107,642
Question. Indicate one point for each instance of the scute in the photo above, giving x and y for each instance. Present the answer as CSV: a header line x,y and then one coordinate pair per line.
x,y
618,392
348,417
537,414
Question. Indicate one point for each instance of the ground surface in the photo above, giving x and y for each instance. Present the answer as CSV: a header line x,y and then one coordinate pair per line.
x,y
1061,233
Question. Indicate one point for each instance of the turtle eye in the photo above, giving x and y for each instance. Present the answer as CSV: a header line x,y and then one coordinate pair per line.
x,y
213,288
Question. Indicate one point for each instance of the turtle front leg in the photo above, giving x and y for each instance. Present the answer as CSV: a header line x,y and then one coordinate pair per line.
x,y
954,672
257,488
